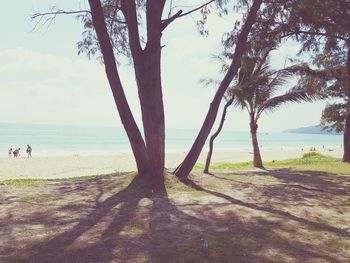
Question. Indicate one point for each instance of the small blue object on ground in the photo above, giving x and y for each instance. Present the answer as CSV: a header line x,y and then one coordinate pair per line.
x,y
205,246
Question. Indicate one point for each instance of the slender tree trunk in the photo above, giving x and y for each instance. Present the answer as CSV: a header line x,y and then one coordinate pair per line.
x,y
346,138
346,141
130,126
191,158
257,162
212,138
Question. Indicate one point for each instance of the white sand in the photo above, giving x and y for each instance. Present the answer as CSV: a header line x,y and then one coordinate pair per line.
x,y
73,166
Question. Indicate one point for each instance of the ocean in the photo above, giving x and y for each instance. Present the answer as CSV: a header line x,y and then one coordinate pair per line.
x,y
54,140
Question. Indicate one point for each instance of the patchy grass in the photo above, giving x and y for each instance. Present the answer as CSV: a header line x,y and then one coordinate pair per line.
x,y
242,165
30,182
24,182
312,161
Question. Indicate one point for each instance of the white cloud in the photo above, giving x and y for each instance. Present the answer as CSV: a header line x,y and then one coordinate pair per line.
x,y
43,88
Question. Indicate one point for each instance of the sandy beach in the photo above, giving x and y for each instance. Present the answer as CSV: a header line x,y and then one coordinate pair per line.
x,y
75,165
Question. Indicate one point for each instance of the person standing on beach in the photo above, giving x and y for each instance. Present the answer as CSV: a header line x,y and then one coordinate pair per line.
x,y
10,152
16,153
29,151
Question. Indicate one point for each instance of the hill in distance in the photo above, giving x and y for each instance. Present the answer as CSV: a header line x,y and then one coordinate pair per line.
x,y
311,130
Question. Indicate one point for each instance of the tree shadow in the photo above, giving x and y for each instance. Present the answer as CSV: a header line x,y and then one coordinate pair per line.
x,y
57,248
138,224
313,180
270,210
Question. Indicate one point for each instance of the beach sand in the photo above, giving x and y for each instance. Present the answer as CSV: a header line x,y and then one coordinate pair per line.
x,y
75,165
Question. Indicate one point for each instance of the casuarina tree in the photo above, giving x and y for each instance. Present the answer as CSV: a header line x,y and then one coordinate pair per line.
x,y
323,28
188,163
112,29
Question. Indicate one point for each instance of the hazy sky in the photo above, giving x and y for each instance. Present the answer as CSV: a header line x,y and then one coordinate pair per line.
x,y
44,80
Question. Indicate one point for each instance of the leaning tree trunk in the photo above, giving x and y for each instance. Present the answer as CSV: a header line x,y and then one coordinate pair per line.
x,y
212,138
134,135
346,138
257,161
191,158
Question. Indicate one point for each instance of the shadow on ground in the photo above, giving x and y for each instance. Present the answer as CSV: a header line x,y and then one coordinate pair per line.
x,y
282,215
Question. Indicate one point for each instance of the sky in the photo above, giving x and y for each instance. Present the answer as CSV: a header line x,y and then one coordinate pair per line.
x,y
43,80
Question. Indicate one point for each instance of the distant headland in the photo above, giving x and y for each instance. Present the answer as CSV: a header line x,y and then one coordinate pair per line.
x,y
316,129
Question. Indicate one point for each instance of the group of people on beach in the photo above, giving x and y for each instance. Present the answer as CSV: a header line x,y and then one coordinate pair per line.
x,y
15,153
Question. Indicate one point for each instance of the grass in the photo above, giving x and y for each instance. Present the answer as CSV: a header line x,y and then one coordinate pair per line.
x,y
31,182
24,182
312,161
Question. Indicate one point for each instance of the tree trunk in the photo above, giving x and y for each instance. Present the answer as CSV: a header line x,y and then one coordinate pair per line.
x,y
191,158
151,101
346,141
346,138
148,78
257,162
212,138
137,143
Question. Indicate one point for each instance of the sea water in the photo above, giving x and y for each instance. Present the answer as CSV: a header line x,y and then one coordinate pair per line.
x,y
53,140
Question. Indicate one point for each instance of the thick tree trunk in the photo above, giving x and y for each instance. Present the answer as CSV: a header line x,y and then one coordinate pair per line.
x,y
130,126
151,100
346,138
212,138
257,162
148,77
190,160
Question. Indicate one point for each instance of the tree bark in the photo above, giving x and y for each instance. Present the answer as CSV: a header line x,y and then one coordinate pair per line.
x,y
147,65
346,138
191,158
257,161
212,138
134,135
346,141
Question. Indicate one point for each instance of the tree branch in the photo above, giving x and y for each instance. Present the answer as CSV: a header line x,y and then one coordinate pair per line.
x,y
59,12
51,15
130,14
166,22
314,34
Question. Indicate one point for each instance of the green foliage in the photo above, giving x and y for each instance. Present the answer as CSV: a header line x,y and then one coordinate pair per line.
x,y
312,161
30,182
24,182
118,27
257,84
327,20
322,27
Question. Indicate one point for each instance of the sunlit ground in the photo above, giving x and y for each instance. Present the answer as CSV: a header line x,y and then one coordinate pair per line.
x,y
275,215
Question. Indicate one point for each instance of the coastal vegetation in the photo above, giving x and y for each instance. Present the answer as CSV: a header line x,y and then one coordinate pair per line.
x,y
254,90
311,161
113,30
294,210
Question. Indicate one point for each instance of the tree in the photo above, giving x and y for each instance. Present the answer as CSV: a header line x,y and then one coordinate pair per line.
x,y
186,166
112,29
228,103
255,91
323,28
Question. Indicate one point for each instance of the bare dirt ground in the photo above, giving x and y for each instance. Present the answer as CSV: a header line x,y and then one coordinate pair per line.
x,y
280,215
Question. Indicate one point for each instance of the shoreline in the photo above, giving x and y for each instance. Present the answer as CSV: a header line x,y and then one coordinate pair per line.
x,y
58,167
